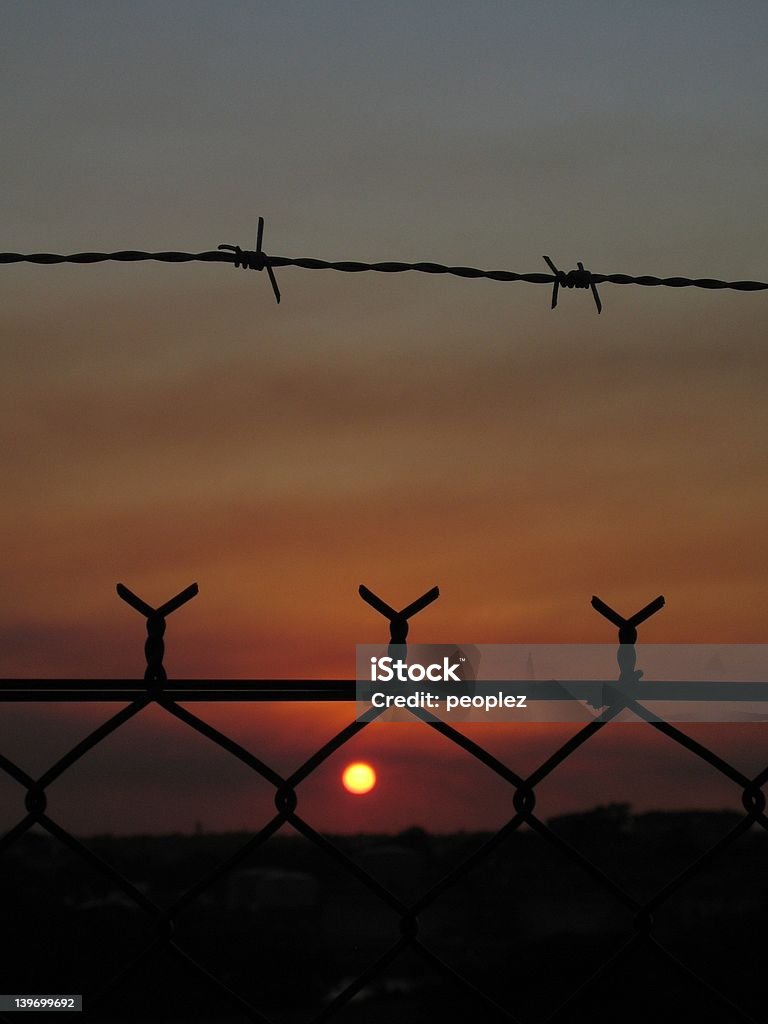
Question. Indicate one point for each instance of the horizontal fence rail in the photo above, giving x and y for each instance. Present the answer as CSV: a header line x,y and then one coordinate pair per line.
x,y
156,690
121,690
344,690
257,259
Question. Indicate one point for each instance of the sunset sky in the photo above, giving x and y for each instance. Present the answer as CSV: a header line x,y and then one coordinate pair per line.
x,y
164,424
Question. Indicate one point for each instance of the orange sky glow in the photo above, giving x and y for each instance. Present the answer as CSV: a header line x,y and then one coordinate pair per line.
x,y
169,424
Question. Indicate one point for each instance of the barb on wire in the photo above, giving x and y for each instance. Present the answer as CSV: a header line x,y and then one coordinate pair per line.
x,y
580,278
257,259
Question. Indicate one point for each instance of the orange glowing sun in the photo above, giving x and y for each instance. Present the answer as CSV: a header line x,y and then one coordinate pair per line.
x,y
358,778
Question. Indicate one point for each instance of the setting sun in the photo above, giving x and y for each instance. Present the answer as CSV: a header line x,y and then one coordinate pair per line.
x,y
359,778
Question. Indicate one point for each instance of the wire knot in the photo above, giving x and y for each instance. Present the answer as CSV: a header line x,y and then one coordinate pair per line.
x,y
255,259
248,259
580,278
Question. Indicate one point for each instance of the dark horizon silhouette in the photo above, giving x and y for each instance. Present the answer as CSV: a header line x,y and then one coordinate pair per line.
x,y
527,924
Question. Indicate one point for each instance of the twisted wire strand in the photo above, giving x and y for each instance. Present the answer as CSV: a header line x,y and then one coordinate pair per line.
x,y
389,267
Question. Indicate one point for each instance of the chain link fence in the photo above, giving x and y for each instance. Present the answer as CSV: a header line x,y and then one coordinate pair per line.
x,y
642,945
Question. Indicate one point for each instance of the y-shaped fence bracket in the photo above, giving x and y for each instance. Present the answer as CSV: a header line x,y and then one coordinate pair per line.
x,y
154,648
626,655
398,621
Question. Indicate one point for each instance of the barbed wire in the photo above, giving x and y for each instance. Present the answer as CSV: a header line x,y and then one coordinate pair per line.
x,y
257,259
